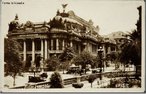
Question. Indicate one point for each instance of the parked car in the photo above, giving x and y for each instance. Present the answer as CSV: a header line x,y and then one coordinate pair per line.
x,y
35,79
76,69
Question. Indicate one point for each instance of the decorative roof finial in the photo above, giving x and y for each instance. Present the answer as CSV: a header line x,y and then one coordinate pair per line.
x,y
16,17
64,6
58,12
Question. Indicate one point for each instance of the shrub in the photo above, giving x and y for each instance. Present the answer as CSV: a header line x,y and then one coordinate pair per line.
x,y
118,83
52,63
134,82
56,81
115,83
44,75
77,85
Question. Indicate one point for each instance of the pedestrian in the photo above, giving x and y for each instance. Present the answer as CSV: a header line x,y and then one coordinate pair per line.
x,y
97,82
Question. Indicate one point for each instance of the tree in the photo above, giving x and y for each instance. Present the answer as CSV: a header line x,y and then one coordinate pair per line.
x,y
96,61
66,56
114,57
131,50
52,63
56,81
83,59
12,57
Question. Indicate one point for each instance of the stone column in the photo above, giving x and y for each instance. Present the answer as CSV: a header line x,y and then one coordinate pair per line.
x,y
57,44
24,50
79,48
104,52
87,46
33,52
24,53
46,49
42,47
63,46
71,44
104,56
109,49
51,44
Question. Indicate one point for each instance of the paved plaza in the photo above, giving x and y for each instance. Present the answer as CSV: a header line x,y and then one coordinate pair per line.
x,y
23,80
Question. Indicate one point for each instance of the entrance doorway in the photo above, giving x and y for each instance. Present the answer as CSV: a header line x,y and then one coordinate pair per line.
x,y
28,61
37,60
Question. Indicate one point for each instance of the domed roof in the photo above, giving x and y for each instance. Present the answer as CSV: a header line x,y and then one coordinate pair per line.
x,y
67,19
71,13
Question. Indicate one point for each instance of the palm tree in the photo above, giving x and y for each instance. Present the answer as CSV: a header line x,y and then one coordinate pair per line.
x,y
131,50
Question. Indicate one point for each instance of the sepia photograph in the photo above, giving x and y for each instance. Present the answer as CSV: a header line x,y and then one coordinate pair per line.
x,y
72,45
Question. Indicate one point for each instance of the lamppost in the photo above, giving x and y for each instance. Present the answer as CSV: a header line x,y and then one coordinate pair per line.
x,y
100,50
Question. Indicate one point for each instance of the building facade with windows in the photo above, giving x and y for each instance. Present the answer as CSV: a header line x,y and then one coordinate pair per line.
x,y
44,39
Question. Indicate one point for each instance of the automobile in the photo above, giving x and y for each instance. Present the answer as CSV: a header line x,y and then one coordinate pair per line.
x,y
76,69
73,69
35,79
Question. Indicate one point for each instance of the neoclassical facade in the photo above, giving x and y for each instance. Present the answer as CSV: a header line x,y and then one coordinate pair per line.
x,y
44,39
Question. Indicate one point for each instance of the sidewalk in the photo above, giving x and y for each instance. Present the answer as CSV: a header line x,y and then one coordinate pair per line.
x,y
20,81
95,84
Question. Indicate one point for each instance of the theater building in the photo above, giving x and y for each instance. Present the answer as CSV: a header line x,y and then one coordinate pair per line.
x,y
45,39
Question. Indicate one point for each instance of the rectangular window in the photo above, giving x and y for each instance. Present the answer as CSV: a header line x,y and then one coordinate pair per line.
x,y
60,42
28,45
37,44
77,48
49,46
93,48
28,61
54,44
112,48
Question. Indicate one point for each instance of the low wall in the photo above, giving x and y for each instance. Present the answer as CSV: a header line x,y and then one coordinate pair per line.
x,y
74,79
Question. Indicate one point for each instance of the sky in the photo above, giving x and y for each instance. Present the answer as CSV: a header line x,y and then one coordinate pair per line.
x,y
109,15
